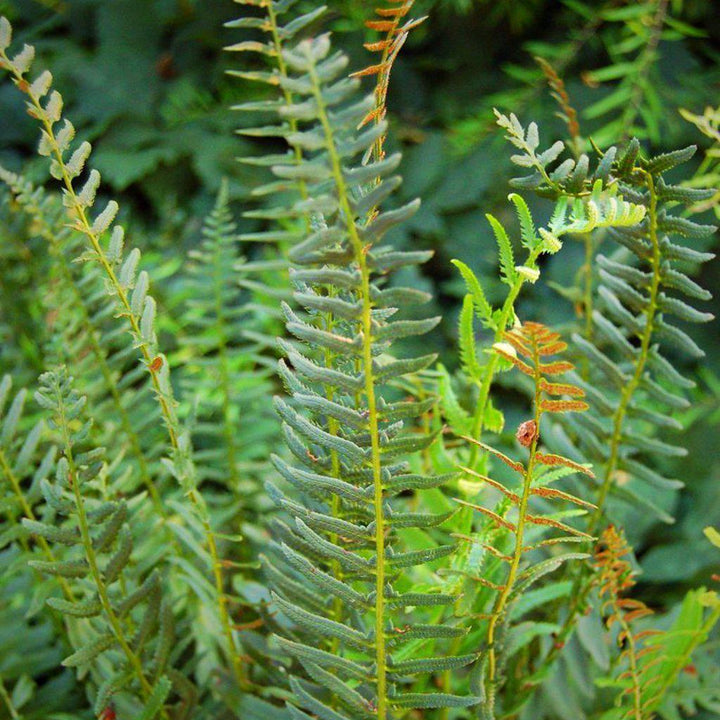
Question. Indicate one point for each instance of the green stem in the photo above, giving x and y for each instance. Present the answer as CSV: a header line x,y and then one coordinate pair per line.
x,y
225,385
501,602
507,311
373,421
629,389
8,701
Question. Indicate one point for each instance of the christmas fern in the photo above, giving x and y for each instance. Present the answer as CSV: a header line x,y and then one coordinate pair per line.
x,y
349,577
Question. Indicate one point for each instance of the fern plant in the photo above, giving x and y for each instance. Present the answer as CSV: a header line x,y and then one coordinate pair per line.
x,y
343,547
128,295
127,624
626,341
650,659
400,554
529,348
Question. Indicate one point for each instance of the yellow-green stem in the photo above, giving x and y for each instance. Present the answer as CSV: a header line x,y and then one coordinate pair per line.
x,y
501,602
373,423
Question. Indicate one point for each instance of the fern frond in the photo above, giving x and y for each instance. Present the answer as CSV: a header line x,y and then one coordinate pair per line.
x,y
567,113
342,554
653,659
89,336
535,344
120,624
394,26
224,366
631,334
127,291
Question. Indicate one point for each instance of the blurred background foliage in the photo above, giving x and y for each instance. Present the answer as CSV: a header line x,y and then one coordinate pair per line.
x,y
145,81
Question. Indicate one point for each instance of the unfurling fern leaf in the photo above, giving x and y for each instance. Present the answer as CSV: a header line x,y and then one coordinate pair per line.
x,y
341,577
594,203
529,348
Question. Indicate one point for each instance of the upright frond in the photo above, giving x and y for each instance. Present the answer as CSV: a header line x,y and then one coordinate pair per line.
x,y
521,562
393,24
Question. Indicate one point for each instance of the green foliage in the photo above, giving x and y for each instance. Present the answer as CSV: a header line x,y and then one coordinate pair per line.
x,y
192,529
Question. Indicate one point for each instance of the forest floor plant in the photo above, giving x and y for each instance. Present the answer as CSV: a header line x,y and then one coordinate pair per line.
x,y
399,555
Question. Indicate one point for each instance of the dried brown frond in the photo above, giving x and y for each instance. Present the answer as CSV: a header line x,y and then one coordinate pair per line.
x,y
615,579
567,112
395,27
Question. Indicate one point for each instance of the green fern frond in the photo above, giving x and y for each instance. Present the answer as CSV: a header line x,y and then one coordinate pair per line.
x,y
120,623
87,336
128,294
342,552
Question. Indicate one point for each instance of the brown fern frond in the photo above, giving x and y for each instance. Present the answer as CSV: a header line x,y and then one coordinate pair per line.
x,y
532,341
615,579
567,113
395,28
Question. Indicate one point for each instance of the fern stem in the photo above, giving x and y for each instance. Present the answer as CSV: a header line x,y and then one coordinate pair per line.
x,y
373,423
225,387
508,309
631,652
289,100
501,602
8,701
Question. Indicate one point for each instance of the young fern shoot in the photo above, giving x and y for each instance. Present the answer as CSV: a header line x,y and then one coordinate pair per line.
x,y
585,205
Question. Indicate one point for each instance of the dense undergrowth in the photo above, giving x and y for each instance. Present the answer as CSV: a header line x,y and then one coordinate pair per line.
x,y
289,462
